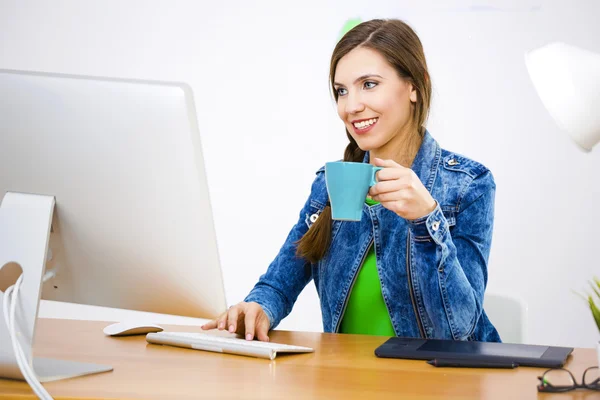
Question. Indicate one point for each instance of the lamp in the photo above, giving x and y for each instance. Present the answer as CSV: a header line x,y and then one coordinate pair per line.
x,y
567,79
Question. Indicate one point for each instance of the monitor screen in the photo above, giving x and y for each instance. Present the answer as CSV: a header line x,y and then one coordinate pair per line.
x,y
132,227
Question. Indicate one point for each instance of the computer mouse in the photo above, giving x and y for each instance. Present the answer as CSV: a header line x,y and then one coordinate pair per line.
x,y
131,328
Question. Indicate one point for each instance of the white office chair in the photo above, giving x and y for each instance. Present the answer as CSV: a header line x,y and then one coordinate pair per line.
x,y
508,315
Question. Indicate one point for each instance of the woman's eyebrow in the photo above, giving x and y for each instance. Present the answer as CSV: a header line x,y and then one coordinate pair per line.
x,y
360,78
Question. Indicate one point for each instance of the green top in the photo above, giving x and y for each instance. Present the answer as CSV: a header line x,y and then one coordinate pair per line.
x,y
366,312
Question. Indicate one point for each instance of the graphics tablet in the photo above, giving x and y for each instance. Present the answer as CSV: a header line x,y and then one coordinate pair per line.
x,y
428,349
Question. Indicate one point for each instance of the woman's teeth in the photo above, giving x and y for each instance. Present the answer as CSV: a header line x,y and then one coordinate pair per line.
x,y
365,124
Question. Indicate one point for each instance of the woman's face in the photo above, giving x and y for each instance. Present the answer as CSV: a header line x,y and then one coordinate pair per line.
x,y
373,101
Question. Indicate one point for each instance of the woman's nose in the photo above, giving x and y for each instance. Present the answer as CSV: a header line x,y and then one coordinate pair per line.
x,y
354,104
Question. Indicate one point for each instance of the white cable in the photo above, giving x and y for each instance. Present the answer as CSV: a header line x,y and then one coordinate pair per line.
x,y
18,351
7,307
10,302
22,361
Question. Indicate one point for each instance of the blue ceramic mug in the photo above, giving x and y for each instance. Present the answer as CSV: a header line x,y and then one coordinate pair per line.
x,y
348,184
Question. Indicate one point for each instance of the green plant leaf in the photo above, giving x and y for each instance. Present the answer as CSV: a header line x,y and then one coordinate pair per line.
x,y
597,282
595,311
595,286
583,296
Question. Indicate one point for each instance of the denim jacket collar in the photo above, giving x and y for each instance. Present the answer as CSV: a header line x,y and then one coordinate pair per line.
x,y
426,161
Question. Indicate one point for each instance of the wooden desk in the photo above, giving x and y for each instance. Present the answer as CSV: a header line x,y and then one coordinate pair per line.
x,y
343,366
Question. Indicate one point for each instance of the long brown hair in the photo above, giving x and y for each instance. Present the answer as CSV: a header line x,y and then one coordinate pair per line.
x,y
401,47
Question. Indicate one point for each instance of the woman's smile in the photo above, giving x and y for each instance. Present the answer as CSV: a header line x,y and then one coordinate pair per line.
x,y
362,126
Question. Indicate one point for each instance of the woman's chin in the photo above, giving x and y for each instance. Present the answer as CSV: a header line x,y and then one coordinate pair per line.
x,y
366,145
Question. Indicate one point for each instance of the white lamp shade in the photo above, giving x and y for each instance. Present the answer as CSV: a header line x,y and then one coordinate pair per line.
x,y
567,79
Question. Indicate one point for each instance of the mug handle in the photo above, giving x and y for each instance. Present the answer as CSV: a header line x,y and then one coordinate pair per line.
x,y
374,175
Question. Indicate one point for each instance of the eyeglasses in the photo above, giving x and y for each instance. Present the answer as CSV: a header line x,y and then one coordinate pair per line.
x,y
559,380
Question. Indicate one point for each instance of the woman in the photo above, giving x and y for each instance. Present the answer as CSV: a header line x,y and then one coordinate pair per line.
x,y
416,264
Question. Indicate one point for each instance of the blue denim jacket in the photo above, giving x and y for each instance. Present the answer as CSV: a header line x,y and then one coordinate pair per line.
x,y
433,270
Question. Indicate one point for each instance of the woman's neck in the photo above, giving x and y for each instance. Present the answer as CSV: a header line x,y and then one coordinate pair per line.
x,y
403,148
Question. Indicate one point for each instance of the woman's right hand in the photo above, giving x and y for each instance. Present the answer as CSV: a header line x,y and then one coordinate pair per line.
x,y
248,319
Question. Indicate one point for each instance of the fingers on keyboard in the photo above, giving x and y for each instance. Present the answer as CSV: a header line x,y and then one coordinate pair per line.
x,y
222,320
232,319
250,322
262,328
209,325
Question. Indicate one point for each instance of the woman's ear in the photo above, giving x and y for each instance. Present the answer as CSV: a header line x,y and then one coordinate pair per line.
x,y
413,94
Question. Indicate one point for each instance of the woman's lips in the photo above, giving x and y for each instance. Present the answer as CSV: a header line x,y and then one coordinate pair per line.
x,y
362,131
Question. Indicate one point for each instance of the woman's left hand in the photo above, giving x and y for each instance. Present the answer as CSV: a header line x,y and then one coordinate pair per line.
x,y
400,190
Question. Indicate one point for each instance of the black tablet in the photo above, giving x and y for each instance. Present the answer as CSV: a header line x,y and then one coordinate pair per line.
x,y
428,349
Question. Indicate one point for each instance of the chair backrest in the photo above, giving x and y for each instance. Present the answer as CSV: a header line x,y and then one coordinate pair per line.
x,y
508,315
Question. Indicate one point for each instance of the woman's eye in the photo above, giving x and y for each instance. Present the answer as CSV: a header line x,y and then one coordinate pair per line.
x,y
341,91
370,84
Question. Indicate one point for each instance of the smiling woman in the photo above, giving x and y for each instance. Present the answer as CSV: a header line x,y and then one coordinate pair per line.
x,y
415,265
377,96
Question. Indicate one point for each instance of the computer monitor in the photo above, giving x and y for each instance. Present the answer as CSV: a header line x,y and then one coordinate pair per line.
x,y
132,226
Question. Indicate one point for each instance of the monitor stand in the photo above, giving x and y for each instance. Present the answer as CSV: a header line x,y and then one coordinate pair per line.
x,y
25,222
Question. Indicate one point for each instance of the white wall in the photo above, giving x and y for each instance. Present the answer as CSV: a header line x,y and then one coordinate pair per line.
x,y
259,72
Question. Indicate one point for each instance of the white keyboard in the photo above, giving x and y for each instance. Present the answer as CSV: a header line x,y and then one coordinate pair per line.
x,y
208,342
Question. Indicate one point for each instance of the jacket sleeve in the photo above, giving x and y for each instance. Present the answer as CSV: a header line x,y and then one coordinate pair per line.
x,y
287,275
450,263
